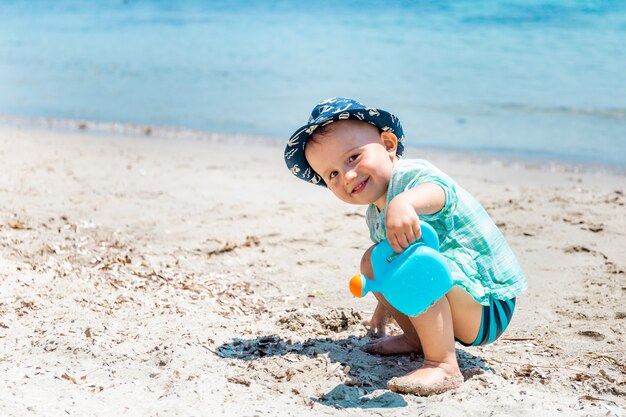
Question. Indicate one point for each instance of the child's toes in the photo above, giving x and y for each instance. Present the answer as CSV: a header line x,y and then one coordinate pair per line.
x,y
374,348
390,345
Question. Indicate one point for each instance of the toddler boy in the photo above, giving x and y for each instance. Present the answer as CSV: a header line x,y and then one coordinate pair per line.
x,y
355,151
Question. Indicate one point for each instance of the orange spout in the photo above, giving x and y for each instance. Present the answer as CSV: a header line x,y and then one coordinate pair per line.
x,y
356,286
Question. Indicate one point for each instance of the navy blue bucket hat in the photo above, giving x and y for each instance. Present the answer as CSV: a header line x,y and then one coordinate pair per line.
x,y
329,111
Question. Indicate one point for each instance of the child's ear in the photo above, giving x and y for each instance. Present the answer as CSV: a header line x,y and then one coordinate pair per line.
x,y
390,141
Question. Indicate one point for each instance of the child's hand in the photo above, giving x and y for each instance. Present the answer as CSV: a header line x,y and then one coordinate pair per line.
x,y
403,226
378,323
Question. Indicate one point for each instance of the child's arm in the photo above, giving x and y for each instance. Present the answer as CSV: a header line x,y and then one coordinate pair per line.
x,y
402,222
378,323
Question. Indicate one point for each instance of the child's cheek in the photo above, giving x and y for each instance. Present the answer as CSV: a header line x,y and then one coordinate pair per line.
x,y
336,192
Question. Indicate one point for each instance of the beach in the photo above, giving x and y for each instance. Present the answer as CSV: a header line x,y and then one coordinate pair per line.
x,y
149,275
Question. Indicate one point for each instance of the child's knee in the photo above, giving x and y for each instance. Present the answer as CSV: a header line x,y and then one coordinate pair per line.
x,y
366,263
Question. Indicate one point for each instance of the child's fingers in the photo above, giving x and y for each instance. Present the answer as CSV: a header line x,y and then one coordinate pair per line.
x,y
417,231
408,235
395,244
376,331
402,239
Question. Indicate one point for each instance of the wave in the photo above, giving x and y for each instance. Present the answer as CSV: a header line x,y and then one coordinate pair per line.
x,y
613,113
101,126
608,113
554,12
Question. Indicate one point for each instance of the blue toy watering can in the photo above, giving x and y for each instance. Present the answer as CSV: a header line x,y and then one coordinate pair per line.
x,y
411,281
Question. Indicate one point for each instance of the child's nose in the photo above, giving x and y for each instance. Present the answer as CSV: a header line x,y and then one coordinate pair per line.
x,y
350,175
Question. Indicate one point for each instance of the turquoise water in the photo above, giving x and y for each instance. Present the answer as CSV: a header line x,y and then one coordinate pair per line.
x,y
529,78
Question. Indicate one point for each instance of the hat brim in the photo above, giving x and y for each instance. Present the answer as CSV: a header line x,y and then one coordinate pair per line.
x,y
294,151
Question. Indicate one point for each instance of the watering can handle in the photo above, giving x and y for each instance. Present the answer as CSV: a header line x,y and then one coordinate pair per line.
x,y
383,254
382,257
429,238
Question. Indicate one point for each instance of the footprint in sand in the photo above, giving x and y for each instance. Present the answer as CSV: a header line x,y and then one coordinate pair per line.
x,y
592,334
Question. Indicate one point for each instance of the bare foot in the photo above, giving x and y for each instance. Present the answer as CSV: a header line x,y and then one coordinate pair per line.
x,y
432,378
391,345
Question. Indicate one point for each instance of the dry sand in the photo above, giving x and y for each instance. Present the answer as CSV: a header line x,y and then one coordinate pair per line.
x,y
147,275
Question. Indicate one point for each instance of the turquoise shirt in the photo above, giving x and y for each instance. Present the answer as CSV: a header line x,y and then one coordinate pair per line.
x,y
478,255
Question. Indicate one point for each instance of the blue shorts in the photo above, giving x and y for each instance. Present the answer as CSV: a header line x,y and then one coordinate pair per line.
x,y
496,317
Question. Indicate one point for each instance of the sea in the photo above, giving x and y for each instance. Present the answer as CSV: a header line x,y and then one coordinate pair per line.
x,y
544,80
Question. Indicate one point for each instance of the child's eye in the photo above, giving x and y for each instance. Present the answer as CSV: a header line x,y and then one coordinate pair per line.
x,y
352,158
333,174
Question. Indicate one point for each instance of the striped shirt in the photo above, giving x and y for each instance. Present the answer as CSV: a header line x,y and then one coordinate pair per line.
x,y
479,257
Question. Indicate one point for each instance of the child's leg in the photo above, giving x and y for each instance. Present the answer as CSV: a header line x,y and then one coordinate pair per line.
x,y
432,332
440,371
391,345
466,314
407,342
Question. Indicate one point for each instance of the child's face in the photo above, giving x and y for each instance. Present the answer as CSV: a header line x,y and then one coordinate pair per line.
x,y
355,160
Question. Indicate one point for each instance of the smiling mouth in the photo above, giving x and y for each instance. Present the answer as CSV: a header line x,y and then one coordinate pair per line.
x,y
360,186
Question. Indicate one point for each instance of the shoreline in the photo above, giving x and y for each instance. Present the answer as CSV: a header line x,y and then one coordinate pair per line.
x,y
176,133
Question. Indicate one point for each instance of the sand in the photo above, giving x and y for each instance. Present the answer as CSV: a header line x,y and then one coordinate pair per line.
x,y
154,274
